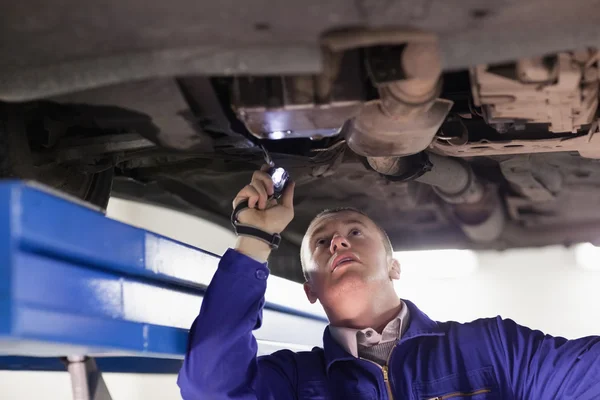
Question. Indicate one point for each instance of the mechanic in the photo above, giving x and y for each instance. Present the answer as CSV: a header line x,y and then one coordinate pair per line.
x,y
377,346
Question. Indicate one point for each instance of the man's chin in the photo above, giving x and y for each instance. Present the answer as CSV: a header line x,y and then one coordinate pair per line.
x,y
349,279
347,292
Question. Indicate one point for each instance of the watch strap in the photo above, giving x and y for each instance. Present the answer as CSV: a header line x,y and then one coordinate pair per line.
x,y
272,239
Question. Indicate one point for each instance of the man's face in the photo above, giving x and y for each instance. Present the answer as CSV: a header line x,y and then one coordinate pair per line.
x,y
344,255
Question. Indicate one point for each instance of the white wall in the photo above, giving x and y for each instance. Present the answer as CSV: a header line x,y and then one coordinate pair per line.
x,y
543,289
173,224
540,288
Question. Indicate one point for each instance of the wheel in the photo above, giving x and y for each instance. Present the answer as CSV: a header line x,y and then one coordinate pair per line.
x,y
17,161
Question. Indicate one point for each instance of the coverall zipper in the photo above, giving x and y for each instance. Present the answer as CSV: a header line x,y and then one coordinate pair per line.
x,y
461,394
385,371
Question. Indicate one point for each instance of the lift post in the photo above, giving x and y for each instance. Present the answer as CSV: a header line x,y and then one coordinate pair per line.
x,y
86,379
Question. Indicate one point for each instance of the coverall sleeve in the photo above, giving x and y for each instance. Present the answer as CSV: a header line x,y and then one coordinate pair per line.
x,y
545,367
221,359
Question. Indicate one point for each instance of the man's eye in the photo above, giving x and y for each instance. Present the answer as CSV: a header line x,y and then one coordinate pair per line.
x,y
321,242
355,232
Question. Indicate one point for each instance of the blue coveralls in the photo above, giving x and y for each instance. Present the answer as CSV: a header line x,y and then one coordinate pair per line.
x,y
486,359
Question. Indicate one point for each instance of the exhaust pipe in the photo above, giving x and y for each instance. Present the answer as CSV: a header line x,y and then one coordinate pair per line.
x,y
473,205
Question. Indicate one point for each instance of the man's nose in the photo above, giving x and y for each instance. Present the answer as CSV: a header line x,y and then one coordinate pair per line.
x,y
338,242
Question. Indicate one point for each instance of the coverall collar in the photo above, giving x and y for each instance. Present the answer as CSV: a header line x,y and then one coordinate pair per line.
x,y
419,325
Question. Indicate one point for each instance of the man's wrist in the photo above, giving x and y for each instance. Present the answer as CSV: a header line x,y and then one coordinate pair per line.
x,y
254,248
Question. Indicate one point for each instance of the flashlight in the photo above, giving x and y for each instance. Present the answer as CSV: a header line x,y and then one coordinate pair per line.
x,y
280,179
279,176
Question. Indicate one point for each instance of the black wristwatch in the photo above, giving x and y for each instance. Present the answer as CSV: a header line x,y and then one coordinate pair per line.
x,y
272,239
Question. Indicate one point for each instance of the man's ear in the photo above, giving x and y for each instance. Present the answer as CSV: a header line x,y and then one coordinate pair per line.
x,y
395,269
310,295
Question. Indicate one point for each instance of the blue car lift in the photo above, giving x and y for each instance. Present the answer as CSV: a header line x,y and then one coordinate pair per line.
x,y
83,292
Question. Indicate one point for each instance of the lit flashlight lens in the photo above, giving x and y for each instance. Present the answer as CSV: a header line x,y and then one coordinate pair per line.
x,y
280,178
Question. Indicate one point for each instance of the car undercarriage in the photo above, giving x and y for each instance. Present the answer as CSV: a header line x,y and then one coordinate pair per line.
x,y
481,134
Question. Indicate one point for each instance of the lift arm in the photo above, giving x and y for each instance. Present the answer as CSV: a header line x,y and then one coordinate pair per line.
x,y
76,284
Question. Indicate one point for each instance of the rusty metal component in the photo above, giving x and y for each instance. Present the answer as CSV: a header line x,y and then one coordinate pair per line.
x,y
401,169
302,106
561,92
421,60
453,180
484,220
538,181
473,206
409,98
388,165
588,146
374,133
408,114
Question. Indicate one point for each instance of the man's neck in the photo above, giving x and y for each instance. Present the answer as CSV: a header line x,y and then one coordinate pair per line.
x,y
374,313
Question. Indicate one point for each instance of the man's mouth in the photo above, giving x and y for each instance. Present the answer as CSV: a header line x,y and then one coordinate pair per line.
x,y
343,259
